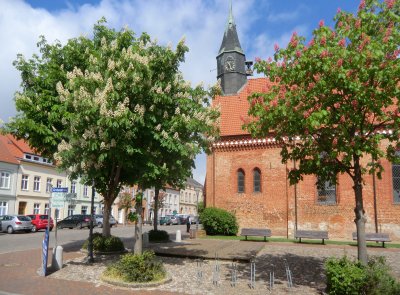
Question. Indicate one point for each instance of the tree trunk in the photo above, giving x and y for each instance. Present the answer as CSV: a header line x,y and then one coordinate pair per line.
x,y
156,196
359,211
138,247
106,216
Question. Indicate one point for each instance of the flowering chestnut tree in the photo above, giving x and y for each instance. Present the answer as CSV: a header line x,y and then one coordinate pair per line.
x,y
121,104
334,100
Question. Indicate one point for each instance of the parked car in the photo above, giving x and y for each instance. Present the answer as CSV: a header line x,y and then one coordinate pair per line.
x,y
182,218
99,220
173,219
40,221
165,220
13,223
77,221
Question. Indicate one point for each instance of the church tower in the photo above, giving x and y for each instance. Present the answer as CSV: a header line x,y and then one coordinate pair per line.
x,y
231,60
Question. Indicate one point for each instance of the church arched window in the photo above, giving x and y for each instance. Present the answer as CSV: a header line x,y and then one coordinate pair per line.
x,y
240,180
256,180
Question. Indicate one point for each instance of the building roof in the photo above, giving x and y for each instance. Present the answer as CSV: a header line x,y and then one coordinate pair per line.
x,y
19,147
5,154
193,182
230,41
234,108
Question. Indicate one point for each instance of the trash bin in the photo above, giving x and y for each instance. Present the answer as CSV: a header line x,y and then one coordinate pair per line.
x,y
193,233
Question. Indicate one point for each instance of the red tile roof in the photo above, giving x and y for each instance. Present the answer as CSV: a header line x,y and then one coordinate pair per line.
x,y
5,151
234,107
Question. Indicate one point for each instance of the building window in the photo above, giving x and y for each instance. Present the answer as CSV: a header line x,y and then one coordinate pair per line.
x,y
84,210
24,183
46,209
240,181
85,190
59,182
49,185
257,180
5,180
327,193
73,187
396,182
71,210
94,209
36,184
36,208
3,208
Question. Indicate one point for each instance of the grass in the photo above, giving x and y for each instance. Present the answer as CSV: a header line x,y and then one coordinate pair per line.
x,y
303,241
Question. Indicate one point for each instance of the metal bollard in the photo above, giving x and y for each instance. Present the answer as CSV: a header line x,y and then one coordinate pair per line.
x,y
252,273
288,274
178,236
199,263
272,278
234,274
216,271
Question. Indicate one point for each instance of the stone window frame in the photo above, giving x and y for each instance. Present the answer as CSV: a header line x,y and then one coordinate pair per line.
x,y
241,177
255,170
5,182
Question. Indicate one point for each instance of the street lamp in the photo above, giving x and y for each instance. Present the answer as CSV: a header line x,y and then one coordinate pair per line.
x,y
197,208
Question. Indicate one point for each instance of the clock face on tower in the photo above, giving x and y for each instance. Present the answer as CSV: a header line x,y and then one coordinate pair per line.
x,y
229,64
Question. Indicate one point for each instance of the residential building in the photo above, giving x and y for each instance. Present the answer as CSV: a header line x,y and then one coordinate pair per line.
x,y
33,179
190,196
8,178
247,177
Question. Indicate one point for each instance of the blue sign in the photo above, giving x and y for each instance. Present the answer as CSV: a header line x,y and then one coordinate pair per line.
x,y
45,248
59,190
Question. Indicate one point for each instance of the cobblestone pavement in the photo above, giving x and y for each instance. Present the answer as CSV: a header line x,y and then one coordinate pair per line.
x,y
305,262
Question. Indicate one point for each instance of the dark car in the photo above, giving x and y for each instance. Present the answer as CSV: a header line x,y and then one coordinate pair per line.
x,y
39,221
75,221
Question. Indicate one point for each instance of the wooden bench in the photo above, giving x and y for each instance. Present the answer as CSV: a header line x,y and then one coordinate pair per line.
x,y
256,232
375,237
312,234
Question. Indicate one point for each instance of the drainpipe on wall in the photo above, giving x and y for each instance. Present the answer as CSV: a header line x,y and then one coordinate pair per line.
x,y
375,203
287,204
295,200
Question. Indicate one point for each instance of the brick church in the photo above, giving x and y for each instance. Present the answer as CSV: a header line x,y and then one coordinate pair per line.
x,y
246,176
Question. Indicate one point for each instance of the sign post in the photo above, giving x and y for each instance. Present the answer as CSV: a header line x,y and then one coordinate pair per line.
x,y
57,202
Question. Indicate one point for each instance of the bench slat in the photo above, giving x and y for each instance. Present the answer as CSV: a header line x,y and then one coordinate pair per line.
x,y
374,237
311,234
260,232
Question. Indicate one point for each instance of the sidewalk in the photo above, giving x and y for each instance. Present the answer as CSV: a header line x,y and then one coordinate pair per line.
x,y
18,270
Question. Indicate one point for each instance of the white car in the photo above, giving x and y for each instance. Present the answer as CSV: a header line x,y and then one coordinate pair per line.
x,y
99,220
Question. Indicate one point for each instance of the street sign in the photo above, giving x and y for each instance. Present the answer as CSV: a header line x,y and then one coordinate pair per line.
x,y
57,197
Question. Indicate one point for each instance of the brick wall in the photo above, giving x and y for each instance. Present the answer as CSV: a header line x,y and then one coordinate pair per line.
x,y
274,207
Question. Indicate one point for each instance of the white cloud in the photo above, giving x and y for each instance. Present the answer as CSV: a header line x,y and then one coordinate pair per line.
x,y
202,22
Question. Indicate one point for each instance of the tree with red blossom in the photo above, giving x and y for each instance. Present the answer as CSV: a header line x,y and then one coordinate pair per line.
x,y
334,101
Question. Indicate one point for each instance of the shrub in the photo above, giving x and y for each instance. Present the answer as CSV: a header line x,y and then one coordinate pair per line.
x,y
217,221
158,236
137,268
351,277
105,244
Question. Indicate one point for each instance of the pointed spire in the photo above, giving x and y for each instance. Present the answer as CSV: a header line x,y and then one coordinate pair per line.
x,y
230,42
231,21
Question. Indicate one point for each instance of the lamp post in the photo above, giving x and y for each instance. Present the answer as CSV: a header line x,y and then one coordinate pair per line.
x,y
90,244
197,208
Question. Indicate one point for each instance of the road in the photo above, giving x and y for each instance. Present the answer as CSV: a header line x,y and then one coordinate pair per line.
x,y
71,239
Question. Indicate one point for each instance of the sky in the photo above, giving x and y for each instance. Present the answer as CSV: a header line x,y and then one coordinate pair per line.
x,y
260,25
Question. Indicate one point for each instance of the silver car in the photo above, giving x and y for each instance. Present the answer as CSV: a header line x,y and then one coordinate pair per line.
x,y
99,220
13,223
